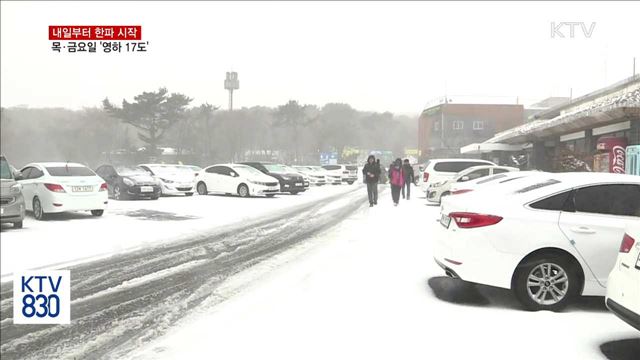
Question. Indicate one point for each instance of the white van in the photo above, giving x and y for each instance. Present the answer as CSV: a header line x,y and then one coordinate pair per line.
x,y
439,170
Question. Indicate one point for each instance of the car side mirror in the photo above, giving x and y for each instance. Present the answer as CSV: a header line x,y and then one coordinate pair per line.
x,y
18,176
465,178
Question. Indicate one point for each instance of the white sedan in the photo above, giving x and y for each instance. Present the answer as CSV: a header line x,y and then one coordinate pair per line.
x,y
547,239
443,188
174,179
51,187
238,179
623,286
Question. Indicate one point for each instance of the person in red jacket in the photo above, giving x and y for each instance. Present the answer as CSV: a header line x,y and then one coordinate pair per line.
x,y
396,178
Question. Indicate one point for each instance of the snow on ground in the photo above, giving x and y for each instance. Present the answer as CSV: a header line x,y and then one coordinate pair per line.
x,y
128,225
369,289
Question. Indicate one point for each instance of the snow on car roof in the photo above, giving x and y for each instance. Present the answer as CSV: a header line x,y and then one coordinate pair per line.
x,y
51,164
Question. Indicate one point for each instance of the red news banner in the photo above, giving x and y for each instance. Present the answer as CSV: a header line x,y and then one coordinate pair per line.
x,y
88,38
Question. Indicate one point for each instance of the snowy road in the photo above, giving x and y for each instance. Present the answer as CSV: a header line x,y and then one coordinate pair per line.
x,y
125,299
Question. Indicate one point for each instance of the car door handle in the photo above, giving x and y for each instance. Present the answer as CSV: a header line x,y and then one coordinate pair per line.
x,y
583,230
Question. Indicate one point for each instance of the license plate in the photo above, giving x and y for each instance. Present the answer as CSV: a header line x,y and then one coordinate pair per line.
x,y
86,188
146,189
445,220
298,184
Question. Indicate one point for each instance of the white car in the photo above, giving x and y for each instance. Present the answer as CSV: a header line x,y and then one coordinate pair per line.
x,y
440,189
330,176
547,238
623,286
174,179
348,173
52,187
315,177
238,179
487,182
439,170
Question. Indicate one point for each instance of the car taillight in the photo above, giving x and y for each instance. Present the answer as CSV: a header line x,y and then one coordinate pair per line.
x,y
103,187
425,177
55,188
461,191
626,244
466,220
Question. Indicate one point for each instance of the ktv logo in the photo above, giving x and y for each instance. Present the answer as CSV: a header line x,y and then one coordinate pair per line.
x,y
559,30
42,297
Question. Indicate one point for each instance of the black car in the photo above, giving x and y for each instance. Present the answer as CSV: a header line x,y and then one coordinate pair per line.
x,y
129,182
289,182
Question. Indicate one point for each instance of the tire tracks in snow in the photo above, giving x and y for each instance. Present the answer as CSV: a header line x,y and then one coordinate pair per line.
x,y
131,298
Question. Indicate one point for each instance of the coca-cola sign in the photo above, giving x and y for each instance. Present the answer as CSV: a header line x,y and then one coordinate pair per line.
x,y
617,160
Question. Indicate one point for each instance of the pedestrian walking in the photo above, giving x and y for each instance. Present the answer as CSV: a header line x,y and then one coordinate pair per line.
x,y
371,175
383,173
409,178
396,177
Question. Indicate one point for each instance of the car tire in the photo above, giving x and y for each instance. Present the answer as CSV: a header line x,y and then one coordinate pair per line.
x,y
17,225
270,195
293,192
547,282
350,182
155,198
38,212
202,188
118,194
97,212
243,190
188,194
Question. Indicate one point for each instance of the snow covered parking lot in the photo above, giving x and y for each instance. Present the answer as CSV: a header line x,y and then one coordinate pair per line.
x,y
347,282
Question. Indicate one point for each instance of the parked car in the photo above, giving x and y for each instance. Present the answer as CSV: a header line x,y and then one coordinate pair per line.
x,y
439,170
623,286
195,168
548,238
348,173
174,179
129,182
292,183
11,199
331,177
54,187
443,188
305,178
316,177
238,179
459,188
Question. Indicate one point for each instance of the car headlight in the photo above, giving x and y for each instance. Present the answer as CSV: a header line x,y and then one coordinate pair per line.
x,y
167,181
286,178
15,189
128,182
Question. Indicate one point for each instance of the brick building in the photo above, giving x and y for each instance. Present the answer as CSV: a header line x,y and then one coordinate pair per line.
x,y
444,128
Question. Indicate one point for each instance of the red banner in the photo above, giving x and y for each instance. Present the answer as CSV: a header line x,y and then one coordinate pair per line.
x,y
91,32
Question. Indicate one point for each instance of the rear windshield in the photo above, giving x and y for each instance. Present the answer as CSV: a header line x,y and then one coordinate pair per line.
x,y
456,166
538,185
69,171
5,170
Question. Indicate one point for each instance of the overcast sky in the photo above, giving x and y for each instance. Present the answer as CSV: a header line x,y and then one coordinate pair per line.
x,y
373,55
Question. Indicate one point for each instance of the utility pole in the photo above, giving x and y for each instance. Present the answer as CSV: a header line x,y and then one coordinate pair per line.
x,y
231,83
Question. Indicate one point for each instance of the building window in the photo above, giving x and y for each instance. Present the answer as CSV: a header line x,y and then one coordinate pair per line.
x,y
478,125
458,125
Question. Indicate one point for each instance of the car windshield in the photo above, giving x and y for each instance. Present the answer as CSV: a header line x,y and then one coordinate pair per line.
x,y
275,168
131,170
169,169
5,170
247,170
69,171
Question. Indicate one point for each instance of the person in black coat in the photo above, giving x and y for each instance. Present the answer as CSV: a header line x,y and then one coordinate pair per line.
x,y
409,178
371,174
